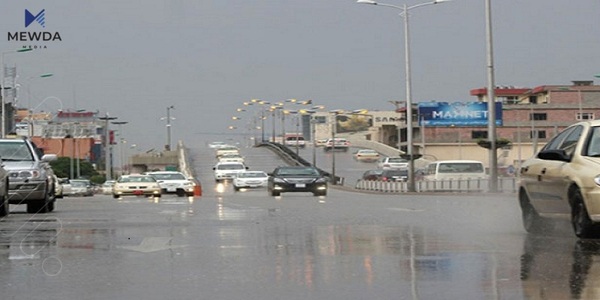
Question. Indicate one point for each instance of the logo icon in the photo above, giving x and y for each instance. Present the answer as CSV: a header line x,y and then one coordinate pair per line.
x,y
40,18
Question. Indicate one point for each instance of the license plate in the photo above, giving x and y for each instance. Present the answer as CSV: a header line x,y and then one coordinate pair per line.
x,y
171,189
300,185
138,192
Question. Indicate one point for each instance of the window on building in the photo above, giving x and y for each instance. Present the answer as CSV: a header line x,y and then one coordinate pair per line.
x,y
320,119
538,116
584,116
533,99
479,134
540,134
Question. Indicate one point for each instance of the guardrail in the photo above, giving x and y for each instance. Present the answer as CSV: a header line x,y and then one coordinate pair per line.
x,y
505,185
294,159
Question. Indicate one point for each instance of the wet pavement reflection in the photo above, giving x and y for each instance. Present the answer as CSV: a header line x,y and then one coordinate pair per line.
x,y
245,245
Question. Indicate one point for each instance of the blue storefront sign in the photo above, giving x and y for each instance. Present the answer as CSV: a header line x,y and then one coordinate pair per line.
x,y
457,114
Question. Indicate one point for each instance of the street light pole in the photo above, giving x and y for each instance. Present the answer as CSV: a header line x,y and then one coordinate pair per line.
x,y
107,155
3,87
168,147
120,131
409,126
493,160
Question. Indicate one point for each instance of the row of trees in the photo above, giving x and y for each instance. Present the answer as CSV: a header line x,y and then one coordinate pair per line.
x,y
63,165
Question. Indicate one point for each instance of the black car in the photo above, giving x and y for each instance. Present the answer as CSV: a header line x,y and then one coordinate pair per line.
x,y
297,179
394,175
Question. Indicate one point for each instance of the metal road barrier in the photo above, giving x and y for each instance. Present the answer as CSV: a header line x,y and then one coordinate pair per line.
x,y
505,185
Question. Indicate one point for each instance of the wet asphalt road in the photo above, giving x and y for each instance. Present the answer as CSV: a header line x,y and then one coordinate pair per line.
x,y
247,245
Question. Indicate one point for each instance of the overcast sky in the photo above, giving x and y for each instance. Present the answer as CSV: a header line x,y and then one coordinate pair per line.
x,y
133,58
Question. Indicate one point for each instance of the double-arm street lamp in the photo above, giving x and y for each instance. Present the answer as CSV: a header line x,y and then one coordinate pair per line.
x,y
409,128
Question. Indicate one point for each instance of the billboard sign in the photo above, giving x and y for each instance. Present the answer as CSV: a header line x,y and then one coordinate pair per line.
x,y
457,114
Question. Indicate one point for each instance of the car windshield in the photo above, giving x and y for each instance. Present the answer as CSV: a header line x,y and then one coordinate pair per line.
x,y
298,172
168,176
15,151
397,160
252,175
230,167
136,179
461,168
79,183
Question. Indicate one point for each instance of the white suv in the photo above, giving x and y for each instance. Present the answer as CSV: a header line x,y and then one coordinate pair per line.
x,y
228,170
172,182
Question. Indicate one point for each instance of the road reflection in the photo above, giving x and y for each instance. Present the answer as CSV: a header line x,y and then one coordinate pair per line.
x,y
547,273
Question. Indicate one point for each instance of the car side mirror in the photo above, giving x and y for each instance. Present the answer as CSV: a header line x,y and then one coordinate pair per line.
x,y
557,154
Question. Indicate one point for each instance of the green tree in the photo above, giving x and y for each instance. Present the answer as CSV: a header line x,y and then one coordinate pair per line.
x,y
62,167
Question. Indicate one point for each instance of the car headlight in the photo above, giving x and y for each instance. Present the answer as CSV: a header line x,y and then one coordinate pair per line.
x,y
597,179
321,180
28,174
278,180
187,183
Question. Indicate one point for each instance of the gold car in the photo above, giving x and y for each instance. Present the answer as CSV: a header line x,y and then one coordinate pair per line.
x,y
366,155
563,179
136,185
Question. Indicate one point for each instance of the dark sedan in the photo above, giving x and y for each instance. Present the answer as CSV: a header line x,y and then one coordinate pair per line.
x,y
297,179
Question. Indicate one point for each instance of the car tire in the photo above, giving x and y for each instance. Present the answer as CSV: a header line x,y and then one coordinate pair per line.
x,y
115,196
51,206
532,221
275,193
235,188
4,201
41,206
580,219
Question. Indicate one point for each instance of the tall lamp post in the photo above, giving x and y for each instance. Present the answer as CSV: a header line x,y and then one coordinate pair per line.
x,y
493,184
409,128
3,87
168,118
107,155
119,123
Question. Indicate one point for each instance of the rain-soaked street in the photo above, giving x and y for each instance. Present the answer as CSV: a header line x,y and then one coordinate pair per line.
x,y
247,245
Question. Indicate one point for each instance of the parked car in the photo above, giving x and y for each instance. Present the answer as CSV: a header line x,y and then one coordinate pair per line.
x,y
250,179
107,187
136,185
392,162
563,180
336,144
81,187
297,179
366,155
30,176
228,170
173,182
372,174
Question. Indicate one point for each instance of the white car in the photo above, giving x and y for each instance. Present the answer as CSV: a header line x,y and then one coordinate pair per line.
x,y
173,182
394,162
107,187
250,179
217,145
228,170
227,150
231,158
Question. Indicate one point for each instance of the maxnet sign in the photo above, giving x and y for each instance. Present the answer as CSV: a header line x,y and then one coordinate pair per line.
x,y
457,114
35,36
